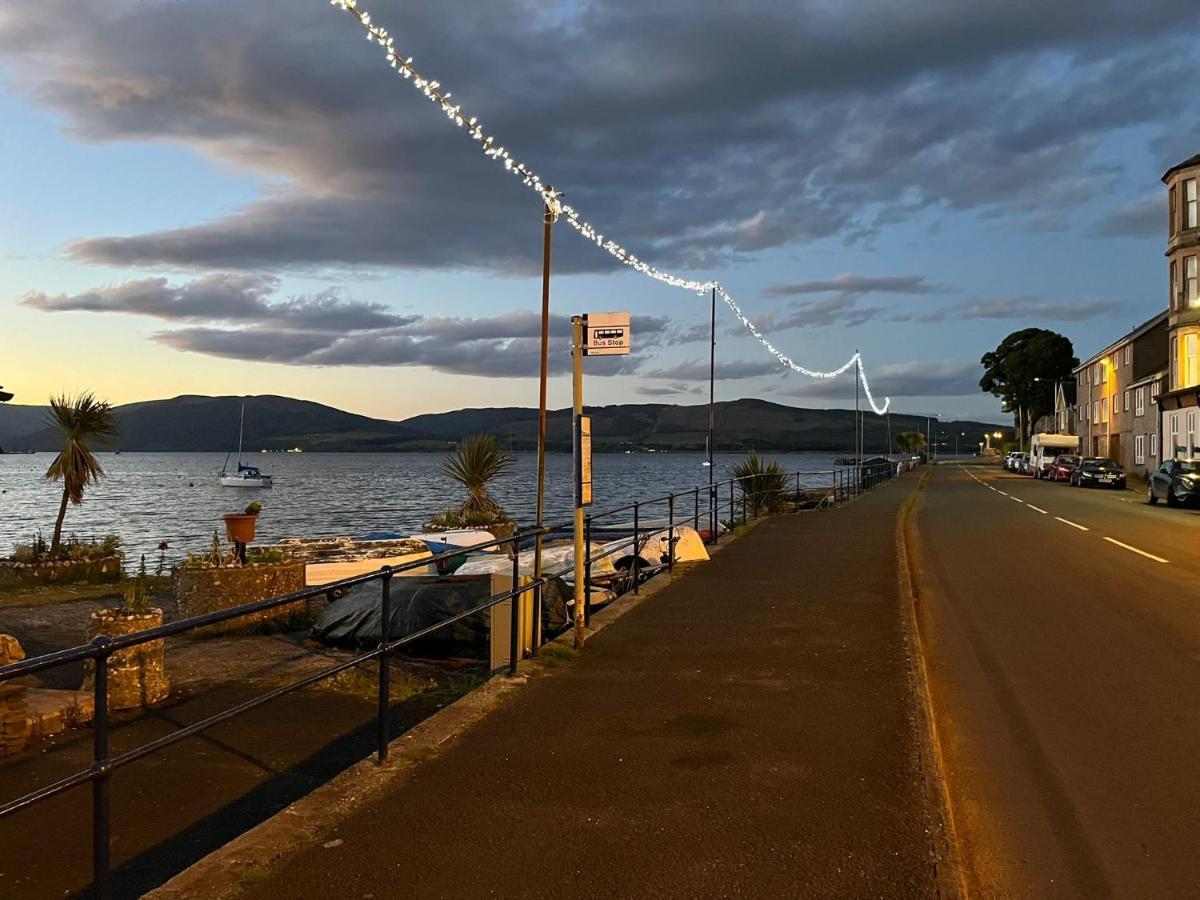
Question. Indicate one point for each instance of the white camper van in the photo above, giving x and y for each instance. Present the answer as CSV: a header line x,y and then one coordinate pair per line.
x,y
1044,447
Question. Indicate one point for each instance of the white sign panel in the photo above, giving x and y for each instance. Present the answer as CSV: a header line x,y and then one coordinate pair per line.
x,y
606,334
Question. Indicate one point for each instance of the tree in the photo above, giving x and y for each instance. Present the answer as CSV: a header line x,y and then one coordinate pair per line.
x,y
910,442
1022,371
80,420
763,483
475,462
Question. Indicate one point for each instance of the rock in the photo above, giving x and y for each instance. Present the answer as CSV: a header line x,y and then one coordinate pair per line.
x,y
11,650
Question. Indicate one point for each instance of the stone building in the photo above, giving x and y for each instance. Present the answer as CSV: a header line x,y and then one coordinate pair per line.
x,y
1181,394
1115,397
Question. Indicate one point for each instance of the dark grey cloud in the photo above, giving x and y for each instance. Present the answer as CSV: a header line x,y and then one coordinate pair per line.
x,y
857,285
1065,309
666,390
906,379
697,371
1144,217
821,119
223,297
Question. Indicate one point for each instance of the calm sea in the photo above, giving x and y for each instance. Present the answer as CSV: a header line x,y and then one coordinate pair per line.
x,y
175,497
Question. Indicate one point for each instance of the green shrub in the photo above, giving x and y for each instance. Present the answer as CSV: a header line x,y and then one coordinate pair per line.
x,y
763,484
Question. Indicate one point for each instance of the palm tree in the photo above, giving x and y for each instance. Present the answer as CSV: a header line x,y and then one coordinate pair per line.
x,y
80,420
763,483
476,461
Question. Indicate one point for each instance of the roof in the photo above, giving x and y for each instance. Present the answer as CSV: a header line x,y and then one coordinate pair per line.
x,y
1067,386
1186,164
1136,333
1149,379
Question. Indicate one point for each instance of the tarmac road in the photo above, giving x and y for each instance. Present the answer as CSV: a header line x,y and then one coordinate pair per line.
x,y
1062,635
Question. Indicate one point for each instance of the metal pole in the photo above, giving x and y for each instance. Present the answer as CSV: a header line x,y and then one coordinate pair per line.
x,y
732,506
857,420
385,612
696,505
587,574
637,552
101,840
712,381
514,619
671,533
577,409
548,220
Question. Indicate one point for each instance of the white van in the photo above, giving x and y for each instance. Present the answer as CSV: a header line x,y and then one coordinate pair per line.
x,y
1044,447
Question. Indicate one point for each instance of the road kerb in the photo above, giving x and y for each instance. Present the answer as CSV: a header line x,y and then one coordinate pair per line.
x,y
949,864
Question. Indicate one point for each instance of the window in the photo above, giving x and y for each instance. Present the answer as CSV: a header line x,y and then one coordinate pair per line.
x,y
1171,214
1173,289
1191,368
1139,449
1191,282
1175,379
1127,401
1116,403
1154,446
1190,211
1096,373
1139,402
1129,354
1096,413
1117,359
1154,388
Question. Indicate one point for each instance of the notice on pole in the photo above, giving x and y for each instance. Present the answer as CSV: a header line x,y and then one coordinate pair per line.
x,y
583,473
606,334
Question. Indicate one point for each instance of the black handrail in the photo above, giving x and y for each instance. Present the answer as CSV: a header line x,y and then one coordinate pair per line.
x,y
846,482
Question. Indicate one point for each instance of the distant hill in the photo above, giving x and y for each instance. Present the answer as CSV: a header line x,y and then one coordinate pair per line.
x,y
196,423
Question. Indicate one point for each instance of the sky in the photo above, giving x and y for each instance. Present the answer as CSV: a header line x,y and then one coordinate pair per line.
x,y
219,197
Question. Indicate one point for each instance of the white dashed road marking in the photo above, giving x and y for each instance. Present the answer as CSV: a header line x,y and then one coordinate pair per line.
x,y
1072,524
1136,550
1036,508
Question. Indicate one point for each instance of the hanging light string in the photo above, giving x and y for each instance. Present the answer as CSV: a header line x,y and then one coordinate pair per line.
x,y
434,92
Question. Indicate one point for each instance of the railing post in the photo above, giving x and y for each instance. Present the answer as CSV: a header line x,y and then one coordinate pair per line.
x,y
712,513
385,671
797,488
514,638
696,513
587,571
637,552
745,507
101,820
732,507
671,533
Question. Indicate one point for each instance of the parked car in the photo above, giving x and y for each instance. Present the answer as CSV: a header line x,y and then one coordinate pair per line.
x,y
1013,463
1062,468
1024,464
1177,481
1098,471
1008,460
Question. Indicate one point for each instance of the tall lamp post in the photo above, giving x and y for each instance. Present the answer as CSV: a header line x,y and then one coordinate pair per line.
x,y
552,209
712,381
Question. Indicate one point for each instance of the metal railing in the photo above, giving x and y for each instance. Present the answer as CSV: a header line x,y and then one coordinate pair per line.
x,y
681,508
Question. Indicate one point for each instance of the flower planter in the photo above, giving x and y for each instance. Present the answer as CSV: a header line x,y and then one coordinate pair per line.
x,y
136,675
104,570
204,589
239,527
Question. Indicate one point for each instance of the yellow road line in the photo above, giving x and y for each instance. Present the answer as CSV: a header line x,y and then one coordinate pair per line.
x,y
1136,550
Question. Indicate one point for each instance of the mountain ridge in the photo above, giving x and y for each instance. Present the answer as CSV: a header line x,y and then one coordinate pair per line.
x,y
194,422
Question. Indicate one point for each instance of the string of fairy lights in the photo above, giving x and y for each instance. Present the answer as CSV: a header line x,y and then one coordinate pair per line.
x,y
434,92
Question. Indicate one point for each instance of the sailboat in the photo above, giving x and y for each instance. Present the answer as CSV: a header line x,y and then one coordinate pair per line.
x,y
246,476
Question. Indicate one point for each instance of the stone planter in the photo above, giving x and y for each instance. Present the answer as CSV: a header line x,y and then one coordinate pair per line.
x,y
203,590
105,570
136,675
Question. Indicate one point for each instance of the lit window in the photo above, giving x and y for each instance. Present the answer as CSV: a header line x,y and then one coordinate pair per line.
x,y
1191,281
1174,364
1190,211
1191,353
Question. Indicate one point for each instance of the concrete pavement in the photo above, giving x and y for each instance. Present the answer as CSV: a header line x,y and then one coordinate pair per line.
x,y
748,731
1062,634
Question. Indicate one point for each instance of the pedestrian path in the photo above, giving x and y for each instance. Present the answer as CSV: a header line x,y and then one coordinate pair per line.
x,y
747,731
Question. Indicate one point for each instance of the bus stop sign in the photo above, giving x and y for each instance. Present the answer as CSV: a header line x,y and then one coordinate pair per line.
x,y
606,334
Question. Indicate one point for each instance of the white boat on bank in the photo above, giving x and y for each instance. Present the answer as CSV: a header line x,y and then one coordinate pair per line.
x,y
244,476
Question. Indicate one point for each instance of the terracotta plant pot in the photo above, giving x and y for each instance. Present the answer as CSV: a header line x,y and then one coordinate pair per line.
x,y
239,527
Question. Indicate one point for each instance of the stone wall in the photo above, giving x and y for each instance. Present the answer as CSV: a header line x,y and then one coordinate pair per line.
x,y
202,590
136,675
66,571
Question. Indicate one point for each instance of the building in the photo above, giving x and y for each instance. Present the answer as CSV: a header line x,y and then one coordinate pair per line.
x,y
1115,394
1064,407
1180,397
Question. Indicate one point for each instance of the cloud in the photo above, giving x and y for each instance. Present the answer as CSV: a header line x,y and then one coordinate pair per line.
x,y
666,390
239,317
224,298
856,285
1144,217
821,120
1033,308
906,379
697,371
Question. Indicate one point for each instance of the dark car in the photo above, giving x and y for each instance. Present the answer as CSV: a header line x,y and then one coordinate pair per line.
x,y
1098,471
1062,468
1177,481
